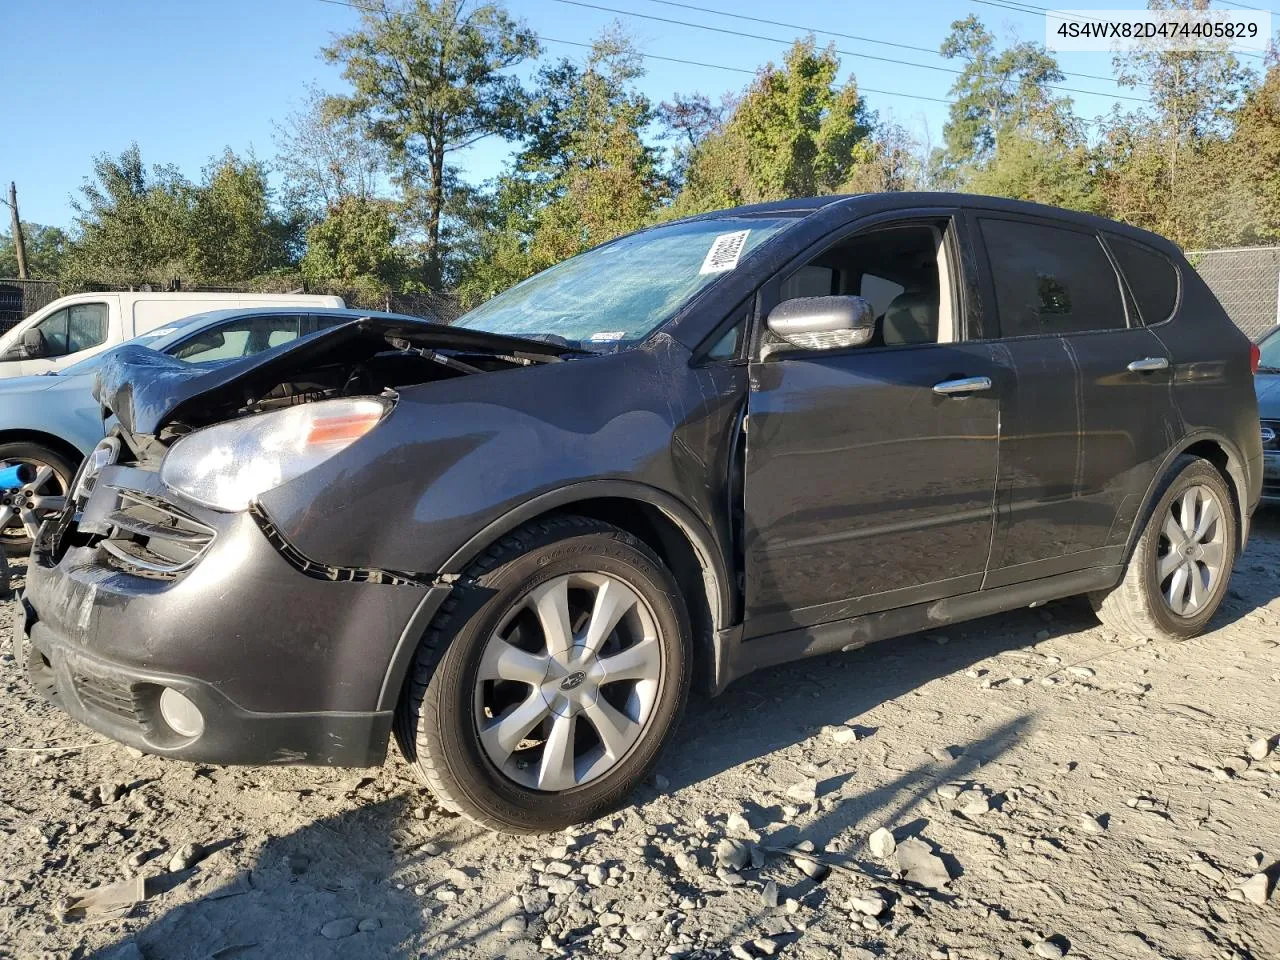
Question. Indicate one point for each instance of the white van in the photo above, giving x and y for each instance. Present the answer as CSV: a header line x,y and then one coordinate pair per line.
x,y
72,328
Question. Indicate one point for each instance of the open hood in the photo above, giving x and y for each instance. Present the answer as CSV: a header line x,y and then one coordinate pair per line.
x,y
148,391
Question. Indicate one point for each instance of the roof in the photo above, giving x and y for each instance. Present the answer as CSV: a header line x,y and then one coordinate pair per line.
x,y
906,199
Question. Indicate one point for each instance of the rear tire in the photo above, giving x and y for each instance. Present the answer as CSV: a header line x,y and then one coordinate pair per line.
x,y
551,678
1180,566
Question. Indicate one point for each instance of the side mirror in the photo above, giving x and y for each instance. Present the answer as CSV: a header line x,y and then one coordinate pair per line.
x,y
34,346
824,323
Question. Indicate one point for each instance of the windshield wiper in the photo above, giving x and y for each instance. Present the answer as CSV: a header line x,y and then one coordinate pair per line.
x,y
1262,369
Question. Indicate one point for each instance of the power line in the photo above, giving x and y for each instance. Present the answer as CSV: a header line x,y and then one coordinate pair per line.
x,y
654,56
847,53
932,51
719,66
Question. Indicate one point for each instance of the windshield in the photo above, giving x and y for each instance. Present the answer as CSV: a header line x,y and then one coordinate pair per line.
x,y
623,291
1270,351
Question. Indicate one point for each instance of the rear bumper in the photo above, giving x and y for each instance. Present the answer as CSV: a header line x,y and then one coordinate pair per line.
x,y
285,666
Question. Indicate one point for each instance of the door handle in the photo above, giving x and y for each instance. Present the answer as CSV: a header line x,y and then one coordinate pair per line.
x,y
963,385
1148,364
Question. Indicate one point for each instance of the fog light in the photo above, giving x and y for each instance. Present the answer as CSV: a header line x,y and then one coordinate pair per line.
x,y
180,714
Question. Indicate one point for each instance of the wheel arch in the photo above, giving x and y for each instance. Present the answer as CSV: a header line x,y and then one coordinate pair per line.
x,y
1224,457
664,523
64,448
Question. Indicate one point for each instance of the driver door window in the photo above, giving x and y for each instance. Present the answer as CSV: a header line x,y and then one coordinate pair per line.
x,y
72,329
902,271
238,338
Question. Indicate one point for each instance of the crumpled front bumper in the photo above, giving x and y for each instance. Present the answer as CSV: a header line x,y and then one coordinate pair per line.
x,y
284,666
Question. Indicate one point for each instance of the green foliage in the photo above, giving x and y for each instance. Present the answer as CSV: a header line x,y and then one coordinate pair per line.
x,y
44,248
373,201
996,91
584,176
354,249
794,133
136,226
428,80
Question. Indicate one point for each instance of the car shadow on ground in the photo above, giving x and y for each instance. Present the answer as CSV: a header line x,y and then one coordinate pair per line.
x,y
366,869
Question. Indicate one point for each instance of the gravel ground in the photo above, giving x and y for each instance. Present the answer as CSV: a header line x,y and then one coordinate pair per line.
x,y
1050,791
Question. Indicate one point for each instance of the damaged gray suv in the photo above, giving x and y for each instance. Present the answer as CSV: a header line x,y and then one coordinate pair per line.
x,y
697,451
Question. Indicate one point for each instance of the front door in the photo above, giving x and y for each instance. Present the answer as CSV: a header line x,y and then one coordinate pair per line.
x,y
871,471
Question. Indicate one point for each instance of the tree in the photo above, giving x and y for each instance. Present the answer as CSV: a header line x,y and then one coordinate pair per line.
x,y
1168,167
233,232
1193,92
45,247
428,80
996,91
324,156
1253,152
354,249
794,133
131,224
1057,171
690,119
584,176
137,226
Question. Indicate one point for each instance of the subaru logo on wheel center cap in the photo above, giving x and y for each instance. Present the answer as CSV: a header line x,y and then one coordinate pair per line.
x,y
572,680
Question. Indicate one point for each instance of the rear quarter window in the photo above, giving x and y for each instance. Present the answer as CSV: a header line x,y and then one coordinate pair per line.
x,y
1152,278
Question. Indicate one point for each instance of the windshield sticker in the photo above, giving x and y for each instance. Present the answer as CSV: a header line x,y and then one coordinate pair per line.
x,y
608,336
726,250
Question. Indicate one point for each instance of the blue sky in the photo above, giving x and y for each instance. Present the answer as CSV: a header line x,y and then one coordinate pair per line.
x,y
185,79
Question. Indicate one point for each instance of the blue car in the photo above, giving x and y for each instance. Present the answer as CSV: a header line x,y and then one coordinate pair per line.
x,y
52,421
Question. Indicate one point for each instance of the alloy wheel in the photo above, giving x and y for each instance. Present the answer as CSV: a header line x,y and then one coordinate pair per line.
x,y
1192,551
22,510
567,684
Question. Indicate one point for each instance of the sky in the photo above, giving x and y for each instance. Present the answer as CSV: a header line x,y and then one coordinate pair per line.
x,y
186,79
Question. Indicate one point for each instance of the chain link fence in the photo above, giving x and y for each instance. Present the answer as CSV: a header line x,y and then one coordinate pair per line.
x,y
1247,282
21,298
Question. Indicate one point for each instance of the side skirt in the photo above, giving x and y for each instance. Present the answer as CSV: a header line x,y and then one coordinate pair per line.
x,y
735,657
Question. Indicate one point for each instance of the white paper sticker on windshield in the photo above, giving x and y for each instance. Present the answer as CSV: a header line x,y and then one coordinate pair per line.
x,y
608,336
726,250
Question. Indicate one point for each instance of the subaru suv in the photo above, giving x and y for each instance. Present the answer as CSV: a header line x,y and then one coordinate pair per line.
x,y
699,450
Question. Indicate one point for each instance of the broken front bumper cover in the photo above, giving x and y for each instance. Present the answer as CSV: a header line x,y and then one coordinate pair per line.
x,y
123,702
283,665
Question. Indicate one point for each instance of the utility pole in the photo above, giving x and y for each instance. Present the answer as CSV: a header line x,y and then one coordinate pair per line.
x,y
19,245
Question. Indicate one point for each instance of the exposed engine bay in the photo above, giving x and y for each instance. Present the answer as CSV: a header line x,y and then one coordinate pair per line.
x,y
158,399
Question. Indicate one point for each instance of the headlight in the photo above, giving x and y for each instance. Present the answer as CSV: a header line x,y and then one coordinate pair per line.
x,y
228,465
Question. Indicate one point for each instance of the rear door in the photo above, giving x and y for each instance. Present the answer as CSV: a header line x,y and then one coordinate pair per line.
x,y
1085,400
867,485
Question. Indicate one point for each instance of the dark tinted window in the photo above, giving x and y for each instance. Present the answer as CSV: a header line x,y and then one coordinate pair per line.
x,y
1152,279
1050,280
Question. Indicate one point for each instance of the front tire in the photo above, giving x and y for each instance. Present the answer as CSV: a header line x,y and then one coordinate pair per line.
x,y
1178,573
546,686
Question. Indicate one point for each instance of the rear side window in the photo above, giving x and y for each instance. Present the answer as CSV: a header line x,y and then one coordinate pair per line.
x,y
1051,281
1153,280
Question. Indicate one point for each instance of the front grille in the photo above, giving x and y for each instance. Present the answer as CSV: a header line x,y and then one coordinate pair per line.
x,y
1271,440
152,537
107,695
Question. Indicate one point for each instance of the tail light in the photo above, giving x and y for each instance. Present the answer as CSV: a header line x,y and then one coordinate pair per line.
x,y
1255,357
